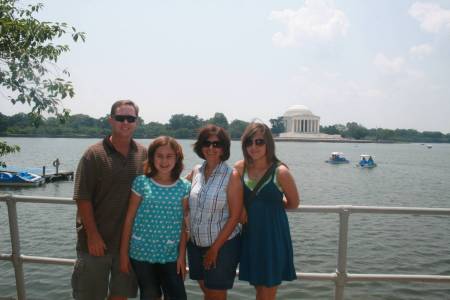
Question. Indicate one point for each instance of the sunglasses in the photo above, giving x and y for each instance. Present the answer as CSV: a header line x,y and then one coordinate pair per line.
x,y
215,144
257,142
122,118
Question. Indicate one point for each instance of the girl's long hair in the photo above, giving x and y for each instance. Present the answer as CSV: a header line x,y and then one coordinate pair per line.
x,y
149,165
248,134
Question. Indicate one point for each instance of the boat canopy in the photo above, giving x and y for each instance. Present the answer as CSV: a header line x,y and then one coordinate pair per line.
x,y
337,153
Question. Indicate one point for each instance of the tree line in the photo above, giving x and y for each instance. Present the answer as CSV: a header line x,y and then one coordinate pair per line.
x,y
179,126
186,127
356,131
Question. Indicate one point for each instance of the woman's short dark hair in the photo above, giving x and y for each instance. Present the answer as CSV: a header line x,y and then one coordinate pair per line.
x,y
248,134
213,130
149,165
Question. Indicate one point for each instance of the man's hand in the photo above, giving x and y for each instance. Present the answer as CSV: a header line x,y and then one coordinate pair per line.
x,y
96,245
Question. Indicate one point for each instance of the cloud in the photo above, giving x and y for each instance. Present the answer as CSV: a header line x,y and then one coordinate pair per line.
x,y
338,88
394,65
420,51
317,20
431,16
397,78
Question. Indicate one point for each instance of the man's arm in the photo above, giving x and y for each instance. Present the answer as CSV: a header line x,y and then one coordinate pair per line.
x,y
95,243
85,180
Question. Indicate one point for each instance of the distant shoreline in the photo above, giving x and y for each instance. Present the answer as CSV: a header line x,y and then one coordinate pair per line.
x,y
277,139
309,140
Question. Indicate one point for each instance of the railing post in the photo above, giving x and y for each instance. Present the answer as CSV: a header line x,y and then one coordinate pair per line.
x,y
15,247
341,271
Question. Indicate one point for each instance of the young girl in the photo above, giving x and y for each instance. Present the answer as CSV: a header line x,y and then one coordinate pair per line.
x,y
269,188
153,237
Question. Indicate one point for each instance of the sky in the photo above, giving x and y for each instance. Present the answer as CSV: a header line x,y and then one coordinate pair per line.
x,y
380,63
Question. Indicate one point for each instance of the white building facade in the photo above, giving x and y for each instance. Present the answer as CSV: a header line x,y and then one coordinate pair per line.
x,y
298,119
302,125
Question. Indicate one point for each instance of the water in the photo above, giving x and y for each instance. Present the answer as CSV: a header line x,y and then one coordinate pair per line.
x,y
407,175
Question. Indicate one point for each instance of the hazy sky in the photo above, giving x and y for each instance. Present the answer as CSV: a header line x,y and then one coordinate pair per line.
x,y
381,63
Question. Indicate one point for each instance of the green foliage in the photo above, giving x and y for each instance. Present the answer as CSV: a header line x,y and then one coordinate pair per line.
x,y
27,62
27,58
85,126
182,133
381,134
7,149
180,121
333,129
236,128
151,130
219,119
277,125
355,130
433,134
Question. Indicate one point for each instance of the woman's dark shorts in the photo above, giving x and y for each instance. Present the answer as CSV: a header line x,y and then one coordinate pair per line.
x,y
222,276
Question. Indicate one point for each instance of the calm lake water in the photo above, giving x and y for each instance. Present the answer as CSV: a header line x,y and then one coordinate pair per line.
x,y
407,175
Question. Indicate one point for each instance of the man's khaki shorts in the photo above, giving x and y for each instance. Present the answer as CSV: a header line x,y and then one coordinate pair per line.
x,y
94,276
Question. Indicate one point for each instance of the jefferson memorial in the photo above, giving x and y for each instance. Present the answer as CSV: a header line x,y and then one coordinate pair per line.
x,y
301,124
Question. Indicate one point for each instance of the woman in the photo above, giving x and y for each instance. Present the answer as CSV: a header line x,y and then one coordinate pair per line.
x,y
215,205
266,253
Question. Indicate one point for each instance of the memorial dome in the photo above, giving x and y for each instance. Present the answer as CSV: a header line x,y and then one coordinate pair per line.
x,y
297,110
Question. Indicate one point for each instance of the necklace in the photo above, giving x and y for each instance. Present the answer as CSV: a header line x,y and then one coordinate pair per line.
x,y
256,173
208,171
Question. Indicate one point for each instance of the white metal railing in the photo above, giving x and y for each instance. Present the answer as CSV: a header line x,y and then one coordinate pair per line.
x,y
340,277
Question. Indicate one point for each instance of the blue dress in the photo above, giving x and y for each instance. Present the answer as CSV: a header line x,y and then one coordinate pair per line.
x,y
266,253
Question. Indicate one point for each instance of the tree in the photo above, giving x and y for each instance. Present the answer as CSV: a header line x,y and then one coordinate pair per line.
x,y
3,123
433,135
5,149
179,121
277,125
237,128
219,119
28,59
332,129
154,129
382,134
355,130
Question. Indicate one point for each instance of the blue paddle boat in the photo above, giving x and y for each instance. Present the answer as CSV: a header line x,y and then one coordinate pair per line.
x,y
366,161
337,158
20,179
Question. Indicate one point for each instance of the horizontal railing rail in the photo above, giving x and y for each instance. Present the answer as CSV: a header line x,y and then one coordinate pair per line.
x,y
340,276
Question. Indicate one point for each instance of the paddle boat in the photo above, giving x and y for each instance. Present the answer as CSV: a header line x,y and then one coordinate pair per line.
x,y
366,161
337,158
20,179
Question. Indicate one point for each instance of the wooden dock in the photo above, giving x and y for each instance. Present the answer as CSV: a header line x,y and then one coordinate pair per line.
x,y
58,176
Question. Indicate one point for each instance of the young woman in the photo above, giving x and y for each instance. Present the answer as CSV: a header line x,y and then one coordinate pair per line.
x,y
215,205
266,253
153,236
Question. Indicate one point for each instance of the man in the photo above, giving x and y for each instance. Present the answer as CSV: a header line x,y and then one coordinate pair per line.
x,y
102,188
